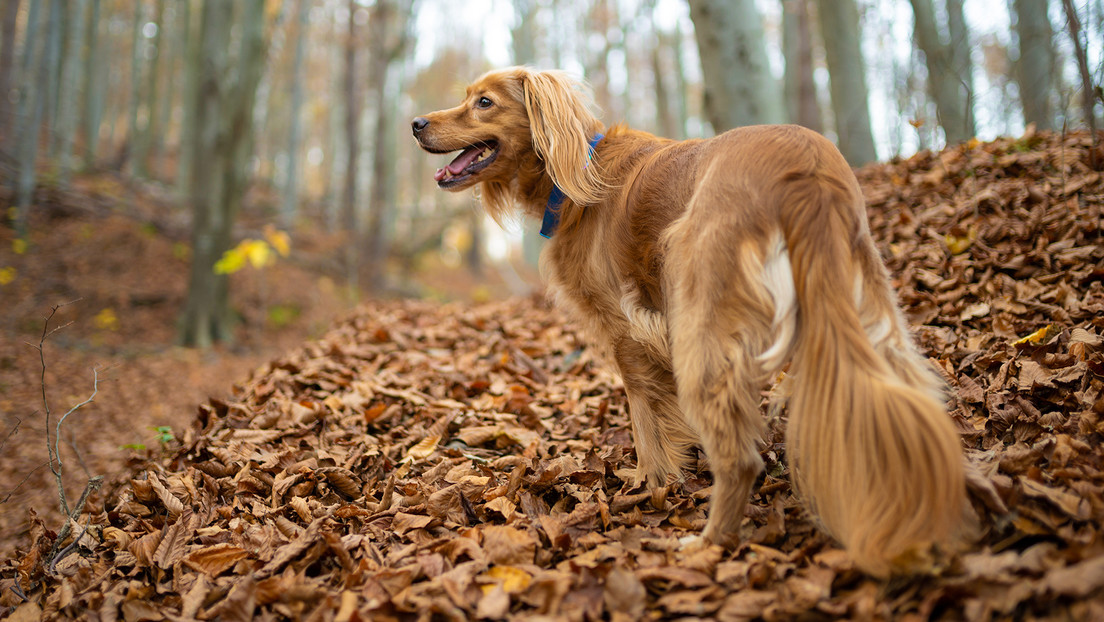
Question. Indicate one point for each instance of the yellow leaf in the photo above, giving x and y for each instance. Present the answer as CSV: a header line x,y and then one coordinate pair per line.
x,y
7,275
106,320
258,252
973,142
424,448
511,578
19,246
959,244
278,239
1040,336
231,261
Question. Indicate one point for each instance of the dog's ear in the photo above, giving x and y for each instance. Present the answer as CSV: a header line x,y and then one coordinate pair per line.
x,y
562,126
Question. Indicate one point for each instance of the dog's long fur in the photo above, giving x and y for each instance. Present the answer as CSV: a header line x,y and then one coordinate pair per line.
x,y
703,267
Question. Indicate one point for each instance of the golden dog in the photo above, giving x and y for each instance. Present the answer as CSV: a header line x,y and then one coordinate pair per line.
x,y
702,267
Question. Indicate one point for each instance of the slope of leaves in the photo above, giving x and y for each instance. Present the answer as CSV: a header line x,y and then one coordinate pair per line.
x,y
462,462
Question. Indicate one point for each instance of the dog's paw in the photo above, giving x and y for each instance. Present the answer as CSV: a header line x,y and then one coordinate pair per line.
x,y
691,544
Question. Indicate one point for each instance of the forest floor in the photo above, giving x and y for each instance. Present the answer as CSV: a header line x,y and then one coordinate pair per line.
x,y
421,460
112,255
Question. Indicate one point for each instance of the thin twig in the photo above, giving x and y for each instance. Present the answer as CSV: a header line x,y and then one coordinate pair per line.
x,y
63,553
57,429
11,433
21,482
93,484
52,450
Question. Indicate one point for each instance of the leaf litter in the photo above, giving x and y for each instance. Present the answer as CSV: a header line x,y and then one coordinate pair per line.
x,y
458,462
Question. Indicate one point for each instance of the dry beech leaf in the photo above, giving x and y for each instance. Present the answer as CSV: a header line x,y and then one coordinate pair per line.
x,y
172,504
342,480
121,538
215,559
510,578
144,548
423,448
508,546
174,542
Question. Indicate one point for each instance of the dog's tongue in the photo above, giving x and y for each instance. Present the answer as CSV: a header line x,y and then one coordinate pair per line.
x,y
461,162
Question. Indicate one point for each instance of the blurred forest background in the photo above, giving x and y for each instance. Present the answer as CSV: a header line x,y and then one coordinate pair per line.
x,y
263,126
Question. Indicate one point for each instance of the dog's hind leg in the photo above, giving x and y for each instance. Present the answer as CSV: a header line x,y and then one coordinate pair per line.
x,y
720,319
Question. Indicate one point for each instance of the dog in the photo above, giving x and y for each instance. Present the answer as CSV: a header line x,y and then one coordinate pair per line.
x,y
703,268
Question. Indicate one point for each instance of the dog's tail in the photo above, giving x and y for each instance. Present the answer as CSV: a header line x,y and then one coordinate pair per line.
x,y
872,450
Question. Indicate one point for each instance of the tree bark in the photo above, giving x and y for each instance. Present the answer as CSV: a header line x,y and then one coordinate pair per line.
x,y
8,23
224,124
1036,65
390,35
95,86
1088,92
149,134
797,47
53,68
349,220
66,130
128,145
738,87
948,69
839,28
31,106
193,65
290,206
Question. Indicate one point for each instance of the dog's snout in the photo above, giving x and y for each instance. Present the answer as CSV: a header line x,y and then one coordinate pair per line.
x,y
419,124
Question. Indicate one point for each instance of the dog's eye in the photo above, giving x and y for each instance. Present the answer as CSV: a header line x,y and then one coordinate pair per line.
x,y
484,103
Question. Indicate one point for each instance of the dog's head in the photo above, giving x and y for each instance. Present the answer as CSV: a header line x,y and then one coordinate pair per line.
x,y
516,129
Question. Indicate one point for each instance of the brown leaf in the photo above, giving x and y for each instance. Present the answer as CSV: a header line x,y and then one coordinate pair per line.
x,y
240,603
174,542
1079,580
1074,506
508,546
215,559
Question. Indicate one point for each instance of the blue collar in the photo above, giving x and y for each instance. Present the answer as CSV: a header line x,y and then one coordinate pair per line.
x,y
555,200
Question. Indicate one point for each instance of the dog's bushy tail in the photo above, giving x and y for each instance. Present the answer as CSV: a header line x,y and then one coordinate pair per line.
x,y
872,450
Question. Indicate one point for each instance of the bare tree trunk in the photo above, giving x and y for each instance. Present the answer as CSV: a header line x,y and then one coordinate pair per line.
x,y
193,66
948,77
174,46
1036,65
334,130
1088,93
839,28
7,67
129,142
31,105
224,124
95,86
797,43
352,137
53,81
289,210
739,89
390,34
65,134
150,130
524,34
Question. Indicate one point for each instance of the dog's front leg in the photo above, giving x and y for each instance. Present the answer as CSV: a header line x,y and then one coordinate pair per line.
x,y
662,438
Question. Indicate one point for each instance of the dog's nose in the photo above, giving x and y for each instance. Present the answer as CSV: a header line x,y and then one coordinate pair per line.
x,y
419,124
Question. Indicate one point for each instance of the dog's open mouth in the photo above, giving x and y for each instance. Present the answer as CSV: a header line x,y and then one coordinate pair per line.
x,y
470,161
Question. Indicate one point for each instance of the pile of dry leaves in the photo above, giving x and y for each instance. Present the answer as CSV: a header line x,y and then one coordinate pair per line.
x,y
464,462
